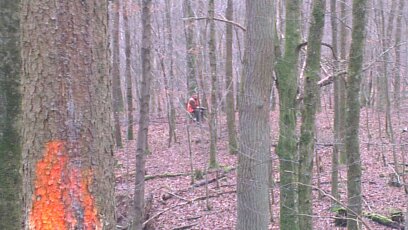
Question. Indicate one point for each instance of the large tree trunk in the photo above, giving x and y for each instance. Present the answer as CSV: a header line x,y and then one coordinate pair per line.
x,y
230,109
67,130
142,133
10,101
353,116
254,146
310,101
214,86
287,73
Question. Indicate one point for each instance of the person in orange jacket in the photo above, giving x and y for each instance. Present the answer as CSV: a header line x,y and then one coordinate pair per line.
x,y
193,107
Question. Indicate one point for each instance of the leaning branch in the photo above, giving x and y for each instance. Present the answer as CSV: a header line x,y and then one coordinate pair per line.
x,y
217,19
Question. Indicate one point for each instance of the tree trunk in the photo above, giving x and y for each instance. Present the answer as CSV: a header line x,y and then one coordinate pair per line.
x,y
341,115
397,73
353,115
214,85
254,147
142,133
336,86
66,116
170,84
189,30
310,101
287,73
10,101
116,86
128,73
230,109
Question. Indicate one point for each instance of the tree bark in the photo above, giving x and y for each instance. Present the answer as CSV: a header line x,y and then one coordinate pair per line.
x,y
67,131
116,86
142,134
337,88
214,86
353,115
310,101
128,73
254,147
10,101
287,73
191,49
230,107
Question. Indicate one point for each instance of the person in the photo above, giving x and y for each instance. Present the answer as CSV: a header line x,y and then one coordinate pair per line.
x,y
193,107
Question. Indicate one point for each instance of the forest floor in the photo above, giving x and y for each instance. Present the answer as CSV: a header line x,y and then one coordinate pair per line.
x,y
177,204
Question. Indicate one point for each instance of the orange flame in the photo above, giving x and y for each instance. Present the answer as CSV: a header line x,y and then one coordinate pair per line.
x,y
61,198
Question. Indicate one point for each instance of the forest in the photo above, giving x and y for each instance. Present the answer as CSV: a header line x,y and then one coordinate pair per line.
x,y
203,114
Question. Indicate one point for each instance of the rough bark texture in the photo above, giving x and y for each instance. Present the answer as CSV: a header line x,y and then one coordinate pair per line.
x,y
189,30
214,86
287,73
353,115
397,73
254,146
10,101
142,133
310,101
66,116
230,108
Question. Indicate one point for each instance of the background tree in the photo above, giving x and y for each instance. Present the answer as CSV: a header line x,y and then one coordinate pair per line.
x,y
230,103
254,127
10,101
353,116
128,71
308,126
287,74
191,49
117,97
214,86
142,133
67,132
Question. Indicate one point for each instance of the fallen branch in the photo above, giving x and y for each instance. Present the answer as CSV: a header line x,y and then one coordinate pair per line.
x,y
205,182
165,175
184,203
184,227
383,220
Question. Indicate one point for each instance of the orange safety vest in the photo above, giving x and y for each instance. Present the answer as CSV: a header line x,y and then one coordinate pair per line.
x,y
192,104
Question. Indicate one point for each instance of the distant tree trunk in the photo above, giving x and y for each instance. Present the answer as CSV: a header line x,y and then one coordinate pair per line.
x,y
230,108
116,86
353,115
66,116
142,133
128,73
287,73
10,108
254,147
214,86
191,49
170,84
336,96
341,115
397,73
310,101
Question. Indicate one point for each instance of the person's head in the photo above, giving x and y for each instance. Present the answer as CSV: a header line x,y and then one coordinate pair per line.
x,y
195,96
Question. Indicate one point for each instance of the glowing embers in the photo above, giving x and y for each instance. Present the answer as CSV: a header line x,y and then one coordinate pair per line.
x,y
61,198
